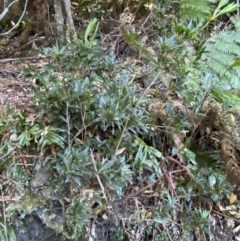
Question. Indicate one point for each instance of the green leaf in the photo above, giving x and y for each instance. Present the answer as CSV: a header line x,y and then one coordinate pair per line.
x,y
49,137
174,151
190,155
11,233
89,29
208,81
212,180
215,197
105,165
228,9
222,87
236,63
221,4
77,180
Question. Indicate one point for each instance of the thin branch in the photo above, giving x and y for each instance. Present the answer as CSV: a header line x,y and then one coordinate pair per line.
x,y
153,82
98,178
6,8
120,139
68,127
4,215
20,19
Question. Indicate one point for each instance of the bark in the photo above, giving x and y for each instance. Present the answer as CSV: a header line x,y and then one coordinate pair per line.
x,y
59,20
69,19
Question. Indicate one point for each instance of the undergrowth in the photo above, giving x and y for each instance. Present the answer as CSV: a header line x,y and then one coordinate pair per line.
x,y
93,136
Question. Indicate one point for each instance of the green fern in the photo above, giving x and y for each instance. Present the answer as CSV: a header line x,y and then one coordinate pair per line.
x,y
215,69
205,9
218,68
195,10
223,50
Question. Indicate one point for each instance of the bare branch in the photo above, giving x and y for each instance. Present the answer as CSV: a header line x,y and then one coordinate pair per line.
x,y
6,8
20,19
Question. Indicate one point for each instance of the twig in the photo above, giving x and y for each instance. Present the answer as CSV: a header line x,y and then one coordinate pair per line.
x,y
9,198
68,127
226,216
153,82
141,190
16,59
80,131
138,6
120,139
177,162
99,179
25,164
19,20
4,215
146,20
170,182
5,11
7,154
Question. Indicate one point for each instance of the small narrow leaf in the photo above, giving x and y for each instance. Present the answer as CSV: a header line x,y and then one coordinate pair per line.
x,y
208,81
11,233
222,3
212,180
89,29
120,151
233,198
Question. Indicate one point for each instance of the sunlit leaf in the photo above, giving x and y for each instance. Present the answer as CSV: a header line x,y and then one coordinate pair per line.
x,y
89,29
120,151
212,180
233,198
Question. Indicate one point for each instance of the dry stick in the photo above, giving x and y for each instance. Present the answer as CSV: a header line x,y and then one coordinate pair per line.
x,y
9,152
85,127
25,164
177,162
19,20
3,228
120,139
7,178
130,236
171,187
83,115
23,58
4,115
31,41
22,155
170,182
225,215
169,236
138,219
80,131
146,20
6,8
9,198
153,82
68,127
4,215
141,190
195,128
99,179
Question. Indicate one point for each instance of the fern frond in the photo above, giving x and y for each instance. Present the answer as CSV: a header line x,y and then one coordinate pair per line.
x,y
221,53
195,10
223,50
